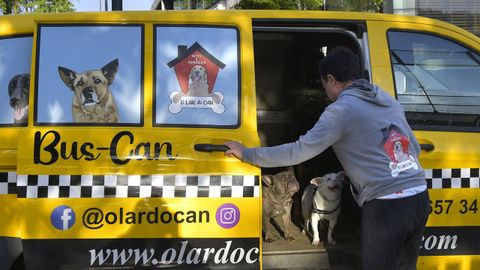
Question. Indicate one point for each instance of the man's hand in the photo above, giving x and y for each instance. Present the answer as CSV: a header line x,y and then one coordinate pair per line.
x,y
236,149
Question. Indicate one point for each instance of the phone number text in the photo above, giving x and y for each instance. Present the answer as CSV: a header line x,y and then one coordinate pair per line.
x,y
440,207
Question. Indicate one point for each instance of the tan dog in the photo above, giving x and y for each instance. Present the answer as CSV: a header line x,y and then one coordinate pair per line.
x,y
93,101
277,201
198,86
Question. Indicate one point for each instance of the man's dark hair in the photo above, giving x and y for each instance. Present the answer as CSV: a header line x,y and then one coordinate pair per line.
x,y
341,63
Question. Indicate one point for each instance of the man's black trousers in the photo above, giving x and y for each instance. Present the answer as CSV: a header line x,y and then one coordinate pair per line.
x,y
392,232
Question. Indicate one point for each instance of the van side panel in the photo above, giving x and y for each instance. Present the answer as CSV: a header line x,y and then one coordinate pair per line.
x,y
451,167
137,193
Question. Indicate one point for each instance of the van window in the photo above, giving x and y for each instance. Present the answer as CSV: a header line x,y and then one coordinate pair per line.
x,y
196,76
89,75
14,80
436,80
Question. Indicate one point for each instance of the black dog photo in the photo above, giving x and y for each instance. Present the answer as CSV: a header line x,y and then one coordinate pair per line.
x,y
15,62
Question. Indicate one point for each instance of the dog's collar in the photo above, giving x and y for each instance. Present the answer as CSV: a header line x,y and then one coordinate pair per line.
x,y
324,212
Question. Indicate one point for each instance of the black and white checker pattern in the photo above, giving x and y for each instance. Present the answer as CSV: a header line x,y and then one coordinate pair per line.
x,y
178,186
137,186
452,178
8,183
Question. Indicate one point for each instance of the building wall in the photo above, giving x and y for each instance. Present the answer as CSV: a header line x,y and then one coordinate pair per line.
x,y
404,7
463,13
193,4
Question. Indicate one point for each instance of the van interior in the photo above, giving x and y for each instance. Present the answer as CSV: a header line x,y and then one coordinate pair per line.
x,y
290,99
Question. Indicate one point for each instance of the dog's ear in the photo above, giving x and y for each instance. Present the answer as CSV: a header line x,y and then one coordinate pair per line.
x,y
67,76
192,73
190,76
267,180
317,181
342,176
26,81
11,84
110,70
205,74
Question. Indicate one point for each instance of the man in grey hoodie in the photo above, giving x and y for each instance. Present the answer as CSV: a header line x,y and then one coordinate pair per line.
x,y
368,132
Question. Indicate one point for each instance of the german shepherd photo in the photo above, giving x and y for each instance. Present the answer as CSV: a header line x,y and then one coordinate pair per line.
x,y
93,101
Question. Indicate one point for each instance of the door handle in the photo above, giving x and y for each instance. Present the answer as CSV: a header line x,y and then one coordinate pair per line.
x,y
206,147
429,147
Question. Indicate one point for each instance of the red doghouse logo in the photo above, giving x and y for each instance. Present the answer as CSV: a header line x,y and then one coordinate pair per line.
x,y
396,146
196,71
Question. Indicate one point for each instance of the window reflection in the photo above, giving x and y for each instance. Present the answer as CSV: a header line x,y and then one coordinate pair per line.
x,y
437,80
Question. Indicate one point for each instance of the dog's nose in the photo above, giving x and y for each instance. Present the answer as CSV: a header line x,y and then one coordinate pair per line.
x,y
87,92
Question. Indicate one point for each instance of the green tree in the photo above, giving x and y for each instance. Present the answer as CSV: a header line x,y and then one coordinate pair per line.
x,y
257,4
35,6
311,4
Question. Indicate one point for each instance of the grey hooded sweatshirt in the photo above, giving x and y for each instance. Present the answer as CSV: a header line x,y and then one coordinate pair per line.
x,y
369,134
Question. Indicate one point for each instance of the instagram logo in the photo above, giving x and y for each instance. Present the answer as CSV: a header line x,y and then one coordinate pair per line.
x,y
228,215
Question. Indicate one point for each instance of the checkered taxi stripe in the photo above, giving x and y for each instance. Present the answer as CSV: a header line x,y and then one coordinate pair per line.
x,y
8,183
452,178
137,186
171,186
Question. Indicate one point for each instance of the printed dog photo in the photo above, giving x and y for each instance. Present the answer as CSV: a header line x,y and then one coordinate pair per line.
x,y
18,89
398,152
198,86
93,101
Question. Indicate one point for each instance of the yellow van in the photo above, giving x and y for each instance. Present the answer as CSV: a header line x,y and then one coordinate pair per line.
x,y
121,165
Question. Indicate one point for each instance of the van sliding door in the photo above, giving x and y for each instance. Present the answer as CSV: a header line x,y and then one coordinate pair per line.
x,y
109,174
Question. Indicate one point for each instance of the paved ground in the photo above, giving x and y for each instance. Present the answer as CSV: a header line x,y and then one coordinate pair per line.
x,y
302,242
344,255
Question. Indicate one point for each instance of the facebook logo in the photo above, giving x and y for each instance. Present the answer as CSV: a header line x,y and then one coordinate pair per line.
x,y
63,217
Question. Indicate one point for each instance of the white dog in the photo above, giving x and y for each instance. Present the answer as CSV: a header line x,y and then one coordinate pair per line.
x,y
322,200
